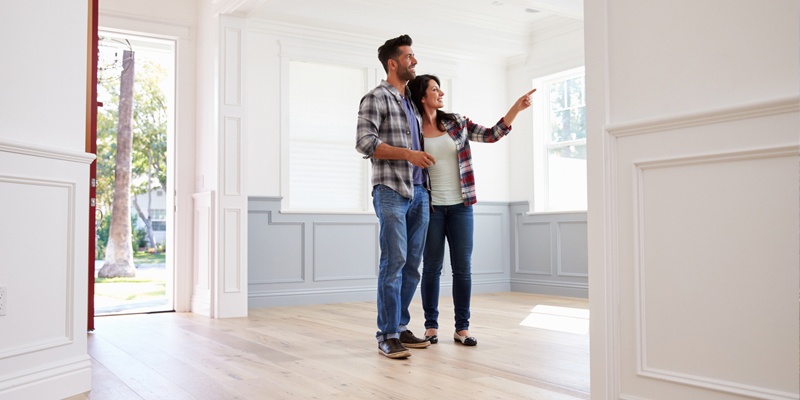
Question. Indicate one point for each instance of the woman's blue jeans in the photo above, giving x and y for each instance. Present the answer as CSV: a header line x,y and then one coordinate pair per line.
x,y
403,226
454,224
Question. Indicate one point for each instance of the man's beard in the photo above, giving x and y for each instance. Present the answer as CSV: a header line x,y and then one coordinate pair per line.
x,y
406,74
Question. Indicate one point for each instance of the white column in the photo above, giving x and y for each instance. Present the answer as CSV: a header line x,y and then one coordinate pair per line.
x,y
231,207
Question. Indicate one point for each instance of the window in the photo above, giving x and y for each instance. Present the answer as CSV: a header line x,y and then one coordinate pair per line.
x,y
325,170
560,142
157,219
158,214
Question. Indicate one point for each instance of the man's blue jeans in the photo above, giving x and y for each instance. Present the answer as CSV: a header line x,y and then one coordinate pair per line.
x,y
403,227
455,224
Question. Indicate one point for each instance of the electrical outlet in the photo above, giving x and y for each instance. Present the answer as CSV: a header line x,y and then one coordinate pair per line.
x,y
3,300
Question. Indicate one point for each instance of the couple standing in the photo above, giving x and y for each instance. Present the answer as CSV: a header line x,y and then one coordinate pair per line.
x,y
421,197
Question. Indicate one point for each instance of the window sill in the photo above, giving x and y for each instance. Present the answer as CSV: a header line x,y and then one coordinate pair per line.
x,y
327,212
556,212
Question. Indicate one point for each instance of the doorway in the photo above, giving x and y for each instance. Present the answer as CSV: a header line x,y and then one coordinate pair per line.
x,y
140,280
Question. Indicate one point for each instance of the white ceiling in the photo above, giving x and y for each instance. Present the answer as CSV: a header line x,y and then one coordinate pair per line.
x,y
491,28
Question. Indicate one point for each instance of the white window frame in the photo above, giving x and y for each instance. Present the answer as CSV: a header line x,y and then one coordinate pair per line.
x,y
542,144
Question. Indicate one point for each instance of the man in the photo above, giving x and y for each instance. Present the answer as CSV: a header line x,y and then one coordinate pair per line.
x,y
389,135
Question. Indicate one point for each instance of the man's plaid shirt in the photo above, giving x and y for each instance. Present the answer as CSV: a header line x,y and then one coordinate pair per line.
x,y
381,119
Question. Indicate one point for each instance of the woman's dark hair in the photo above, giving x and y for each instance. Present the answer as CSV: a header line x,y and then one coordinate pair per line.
x,y
418,87
391,49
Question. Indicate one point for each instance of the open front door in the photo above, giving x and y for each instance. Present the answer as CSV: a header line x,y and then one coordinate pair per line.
x,y
91,147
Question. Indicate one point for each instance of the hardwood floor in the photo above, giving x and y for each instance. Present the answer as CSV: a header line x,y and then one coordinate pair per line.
x,y
329,352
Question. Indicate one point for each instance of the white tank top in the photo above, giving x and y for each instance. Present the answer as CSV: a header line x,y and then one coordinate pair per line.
x,y
445,177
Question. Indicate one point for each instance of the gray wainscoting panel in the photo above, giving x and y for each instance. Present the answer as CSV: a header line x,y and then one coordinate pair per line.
x,y
549,252
572,242
309,258
533,251
489,256
312,258
491,251
345,250
277,256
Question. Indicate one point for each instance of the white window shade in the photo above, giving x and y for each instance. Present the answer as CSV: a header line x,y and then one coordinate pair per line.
x,y
325,170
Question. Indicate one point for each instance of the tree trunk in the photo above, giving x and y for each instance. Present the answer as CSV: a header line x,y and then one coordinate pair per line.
x,y
150,236
148,222
119,250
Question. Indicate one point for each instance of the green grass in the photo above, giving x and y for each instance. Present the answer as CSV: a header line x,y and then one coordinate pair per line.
x,y
148,284
132,279
143,257
129,288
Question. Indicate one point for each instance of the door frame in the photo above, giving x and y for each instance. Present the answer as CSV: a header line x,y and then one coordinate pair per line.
x,y
182,143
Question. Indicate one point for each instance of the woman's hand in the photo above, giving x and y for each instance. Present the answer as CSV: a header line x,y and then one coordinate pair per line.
x,y
524,102
521,104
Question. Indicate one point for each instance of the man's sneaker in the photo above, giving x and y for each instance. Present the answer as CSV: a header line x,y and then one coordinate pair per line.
x,y
409,340
392,348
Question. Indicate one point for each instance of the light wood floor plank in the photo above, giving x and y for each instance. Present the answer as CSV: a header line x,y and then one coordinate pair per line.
x,y
329,352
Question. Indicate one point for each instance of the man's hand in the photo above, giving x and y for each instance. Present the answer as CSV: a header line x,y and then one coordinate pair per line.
x,y
421,159
418,158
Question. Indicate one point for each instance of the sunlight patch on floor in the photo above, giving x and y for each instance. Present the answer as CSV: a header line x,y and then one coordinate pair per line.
x,y
561,319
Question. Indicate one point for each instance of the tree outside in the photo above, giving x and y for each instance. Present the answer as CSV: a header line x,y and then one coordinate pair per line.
x,y
568,119
119,250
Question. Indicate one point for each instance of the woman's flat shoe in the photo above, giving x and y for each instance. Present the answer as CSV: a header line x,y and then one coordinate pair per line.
x,y
433,339
465,340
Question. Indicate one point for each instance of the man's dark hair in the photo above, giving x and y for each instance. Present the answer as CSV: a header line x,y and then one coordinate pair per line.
x,y
391,49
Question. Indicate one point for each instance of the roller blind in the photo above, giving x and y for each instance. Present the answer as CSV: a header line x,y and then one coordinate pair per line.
x,y
325,171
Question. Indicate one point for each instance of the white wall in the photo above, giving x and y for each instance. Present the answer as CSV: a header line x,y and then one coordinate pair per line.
x,y
207,90
170,12
482,88
556,47
44,201
28,72
284,249
478,92
699,55
263,124
693,199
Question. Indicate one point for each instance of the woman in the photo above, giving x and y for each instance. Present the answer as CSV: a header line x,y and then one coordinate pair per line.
x,y
446,137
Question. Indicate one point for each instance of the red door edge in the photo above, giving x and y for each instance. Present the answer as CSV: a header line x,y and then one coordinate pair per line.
x,y
91,147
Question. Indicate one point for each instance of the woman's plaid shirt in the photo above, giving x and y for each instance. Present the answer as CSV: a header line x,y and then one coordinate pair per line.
x,y
462,130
